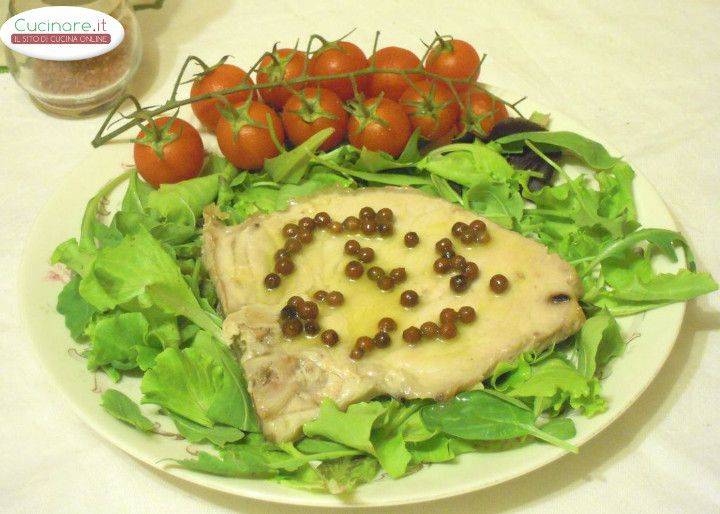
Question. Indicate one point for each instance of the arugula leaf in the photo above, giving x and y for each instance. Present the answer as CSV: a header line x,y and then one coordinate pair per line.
x,y
586,200
660,238
391,179
478,415
123,408
195,433
291,166
139,267
679,287
351,428
76,311
592,153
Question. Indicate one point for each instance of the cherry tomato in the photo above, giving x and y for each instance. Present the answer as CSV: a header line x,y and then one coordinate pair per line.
x,y
454,59
339,57
481,111
313,110
246,140
380,124
392,84
171,154
284,64
222,77
431,107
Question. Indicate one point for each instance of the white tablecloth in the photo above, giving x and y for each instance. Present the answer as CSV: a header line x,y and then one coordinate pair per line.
x,y
645,76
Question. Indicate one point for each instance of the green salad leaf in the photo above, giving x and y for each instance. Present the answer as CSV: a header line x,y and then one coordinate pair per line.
x,y
218,435
343,476
480,416
115,341
351,428
119,406
598,342
562,428
592,153
499,202
291,166
202,383
141,298
76,311
139,268
554,381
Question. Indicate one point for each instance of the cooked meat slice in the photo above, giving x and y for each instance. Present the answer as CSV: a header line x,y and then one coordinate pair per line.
x,y
288,378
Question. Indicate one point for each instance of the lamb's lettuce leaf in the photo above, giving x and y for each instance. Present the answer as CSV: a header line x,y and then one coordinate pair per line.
x,y
481,416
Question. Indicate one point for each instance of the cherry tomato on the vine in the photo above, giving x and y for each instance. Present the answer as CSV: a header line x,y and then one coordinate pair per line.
x,y
311,111
283,64
392,84
171,153
339,57
454,59
481,111
379,124
432,108
220,77
244,137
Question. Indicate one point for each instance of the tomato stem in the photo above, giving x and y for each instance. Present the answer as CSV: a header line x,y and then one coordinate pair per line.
x,y
140,113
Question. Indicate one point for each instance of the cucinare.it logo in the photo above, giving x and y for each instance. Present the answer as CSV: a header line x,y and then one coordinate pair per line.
x,y
62,33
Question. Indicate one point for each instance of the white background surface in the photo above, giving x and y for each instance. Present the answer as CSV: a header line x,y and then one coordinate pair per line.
x,y
644,76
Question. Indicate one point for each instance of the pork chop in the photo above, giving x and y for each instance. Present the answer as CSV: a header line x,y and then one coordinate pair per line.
x,y
289,377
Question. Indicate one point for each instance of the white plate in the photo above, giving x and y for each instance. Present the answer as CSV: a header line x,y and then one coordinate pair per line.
x,y
60,220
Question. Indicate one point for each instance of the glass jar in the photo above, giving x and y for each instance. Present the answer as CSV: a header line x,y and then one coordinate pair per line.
x,y
83,87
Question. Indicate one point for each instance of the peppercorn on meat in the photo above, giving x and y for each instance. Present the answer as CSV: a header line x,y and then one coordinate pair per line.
x,y
341,296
